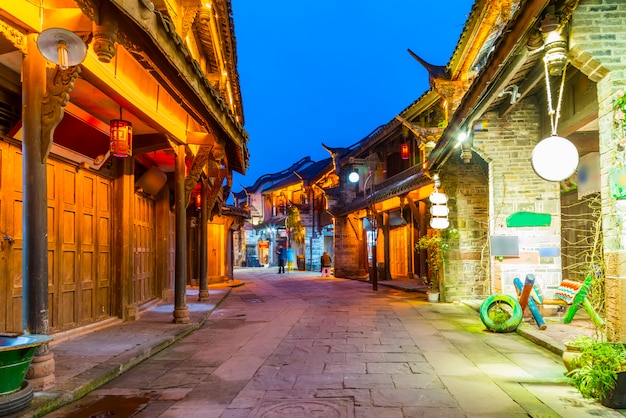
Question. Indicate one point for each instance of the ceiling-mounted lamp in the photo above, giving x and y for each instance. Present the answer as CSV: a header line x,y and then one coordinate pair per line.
x,y
61,47
121,139
555,45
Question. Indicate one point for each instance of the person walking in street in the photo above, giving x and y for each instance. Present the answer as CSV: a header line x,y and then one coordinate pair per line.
x,y
291,259
280,251
326,264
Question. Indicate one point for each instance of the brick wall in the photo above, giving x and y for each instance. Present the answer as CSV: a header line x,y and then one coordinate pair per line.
x,y
348,247
598,48
506,145
466,268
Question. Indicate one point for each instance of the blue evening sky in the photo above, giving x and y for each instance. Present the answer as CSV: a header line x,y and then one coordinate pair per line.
x,y
332,71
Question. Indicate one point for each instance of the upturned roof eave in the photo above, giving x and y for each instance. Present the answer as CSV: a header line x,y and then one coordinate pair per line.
x,y
409,180
180,73
505,50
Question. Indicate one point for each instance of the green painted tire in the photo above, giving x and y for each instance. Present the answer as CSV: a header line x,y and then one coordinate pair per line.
x,y
508,322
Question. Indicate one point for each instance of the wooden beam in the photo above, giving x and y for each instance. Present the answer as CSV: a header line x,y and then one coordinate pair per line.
x,y
201,138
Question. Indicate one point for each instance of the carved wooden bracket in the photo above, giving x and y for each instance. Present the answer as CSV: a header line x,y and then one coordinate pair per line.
x,y
214,191
198,164
17,38
52,107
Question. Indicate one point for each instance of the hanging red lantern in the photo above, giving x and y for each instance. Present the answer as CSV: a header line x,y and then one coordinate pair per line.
x,y
121,137
404,151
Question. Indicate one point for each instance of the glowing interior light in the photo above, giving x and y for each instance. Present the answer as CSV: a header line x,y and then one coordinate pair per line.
x,y
63,55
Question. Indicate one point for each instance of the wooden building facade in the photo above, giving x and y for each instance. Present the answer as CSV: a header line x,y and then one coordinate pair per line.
x,y
90,232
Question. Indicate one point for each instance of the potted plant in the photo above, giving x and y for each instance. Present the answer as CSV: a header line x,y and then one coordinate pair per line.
x,y
599,372
436,248
573,350
432,291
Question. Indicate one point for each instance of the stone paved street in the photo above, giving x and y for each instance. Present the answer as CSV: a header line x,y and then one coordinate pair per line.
x,y
298,345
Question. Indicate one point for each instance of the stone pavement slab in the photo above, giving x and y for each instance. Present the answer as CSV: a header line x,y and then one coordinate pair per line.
x,y
384,353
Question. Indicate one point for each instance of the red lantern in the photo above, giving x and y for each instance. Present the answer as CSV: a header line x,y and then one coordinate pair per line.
x,y
198,200
404,151
121,138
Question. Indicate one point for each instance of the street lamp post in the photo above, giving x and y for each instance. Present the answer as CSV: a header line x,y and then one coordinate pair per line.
x,y
374,224
371,214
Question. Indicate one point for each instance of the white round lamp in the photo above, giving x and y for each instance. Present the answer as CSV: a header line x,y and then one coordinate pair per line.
x,y
554,158
353,177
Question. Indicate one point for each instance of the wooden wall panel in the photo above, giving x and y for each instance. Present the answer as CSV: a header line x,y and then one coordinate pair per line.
x,y
12,186
5,279
79,243
171,264
103,244
215,251
144,268
398,252
87,227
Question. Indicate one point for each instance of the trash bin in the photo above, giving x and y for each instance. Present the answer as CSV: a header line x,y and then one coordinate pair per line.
x,y
301,262
381,271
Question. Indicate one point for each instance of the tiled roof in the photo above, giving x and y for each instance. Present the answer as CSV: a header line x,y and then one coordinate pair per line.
x,y
270,179
402,183
308,174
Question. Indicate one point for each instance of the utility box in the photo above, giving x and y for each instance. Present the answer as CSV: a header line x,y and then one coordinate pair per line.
x,y
301,262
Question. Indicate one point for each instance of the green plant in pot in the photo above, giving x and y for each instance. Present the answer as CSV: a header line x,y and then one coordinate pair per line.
x,y
436,248
436,243
595,372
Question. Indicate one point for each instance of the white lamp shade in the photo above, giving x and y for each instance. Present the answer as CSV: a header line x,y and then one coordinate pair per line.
x,y
353,177
554,158
61,47
439,223
438,198
439,210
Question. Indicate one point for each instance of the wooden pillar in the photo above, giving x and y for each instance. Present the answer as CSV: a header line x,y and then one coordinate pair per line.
x,y
181,310
386,245
124,304
203,225
36,316
230,251
165,288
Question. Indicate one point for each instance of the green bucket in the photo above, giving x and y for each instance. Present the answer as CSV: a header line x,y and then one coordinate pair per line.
x,y
16,353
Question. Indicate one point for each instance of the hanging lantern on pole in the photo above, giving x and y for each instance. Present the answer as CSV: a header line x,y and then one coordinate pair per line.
x,y
121,137
439,209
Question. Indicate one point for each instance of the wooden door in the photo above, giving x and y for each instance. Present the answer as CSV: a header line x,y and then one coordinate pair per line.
x,y
79,225
103,192
144,268
79,246
11,243
215,248
398,241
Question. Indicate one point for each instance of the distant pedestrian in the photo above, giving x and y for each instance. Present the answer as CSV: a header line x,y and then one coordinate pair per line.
x,y
291,259
327,262
280,251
